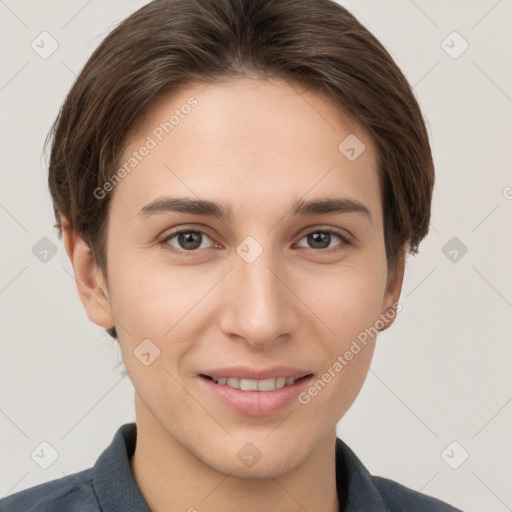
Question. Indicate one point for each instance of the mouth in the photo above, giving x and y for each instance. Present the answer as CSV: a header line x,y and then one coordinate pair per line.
x,y
240,391
270,384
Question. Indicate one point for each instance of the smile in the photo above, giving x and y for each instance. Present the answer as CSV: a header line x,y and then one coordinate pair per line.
x,y
255,385
255,397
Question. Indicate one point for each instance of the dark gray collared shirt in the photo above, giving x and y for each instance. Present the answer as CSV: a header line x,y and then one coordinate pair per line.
x,y
109,487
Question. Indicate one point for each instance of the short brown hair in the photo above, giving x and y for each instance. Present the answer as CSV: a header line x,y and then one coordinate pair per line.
x,y
169,43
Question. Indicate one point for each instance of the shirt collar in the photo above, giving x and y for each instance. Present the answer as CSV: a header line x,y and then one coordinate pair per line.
x,y
354,483
117,491
113,481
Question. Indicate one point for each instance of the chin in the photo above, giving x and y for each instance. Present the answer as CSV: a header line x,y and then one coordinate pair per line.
x,y
272,464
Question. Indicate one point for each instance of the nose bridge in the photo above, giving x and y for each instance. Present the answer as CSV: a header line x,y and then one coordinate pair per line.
x,y
260,303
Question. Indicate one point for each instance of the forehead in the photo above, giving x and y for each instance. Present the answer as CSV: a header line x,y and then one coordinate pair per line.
x,y
250,139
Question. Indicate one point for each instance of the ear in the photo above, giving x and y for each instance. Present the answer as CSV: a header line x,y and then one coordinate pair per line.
x,y
393,291
88,277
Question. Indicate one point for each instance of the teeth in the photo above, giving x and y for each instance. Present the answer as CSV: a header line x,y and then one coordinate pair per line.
x,y
280,382
234,383
248,385
266,385
256,385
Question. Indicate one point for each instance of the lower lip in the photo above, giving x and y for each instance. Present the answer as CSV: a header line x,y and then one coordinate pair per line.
x,y
256,403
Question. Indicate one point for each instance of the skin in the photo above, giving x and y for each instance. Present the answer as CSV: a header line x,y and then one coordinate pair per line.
x,y
258,146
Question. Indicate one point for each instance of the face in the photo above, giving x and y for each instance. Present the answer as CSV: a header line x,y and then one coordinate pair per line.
x,y
272,295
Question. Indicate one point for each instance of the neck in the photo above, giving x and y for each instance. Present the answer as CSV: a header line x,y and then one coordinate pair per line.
x,y
171,479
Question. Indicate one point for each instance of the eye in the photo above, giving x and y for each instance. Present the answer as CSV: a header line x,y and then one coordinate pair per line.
x,y
187,240
321,239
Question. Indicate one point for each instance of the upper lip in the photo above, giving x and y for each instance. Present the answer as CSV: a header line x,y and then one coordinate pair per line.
x,y
244,372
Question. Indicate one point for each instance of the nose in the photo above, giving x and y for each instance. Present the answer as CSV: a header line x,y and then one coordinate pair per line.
x,y
260,306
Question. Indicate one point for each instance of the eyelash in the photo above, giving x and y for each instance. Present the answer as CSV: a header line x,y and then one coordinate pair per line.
x,y
344,239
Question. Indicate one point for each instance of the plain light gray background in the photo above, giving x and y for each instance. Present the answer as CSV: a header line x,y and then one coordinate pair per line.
x,y
440,375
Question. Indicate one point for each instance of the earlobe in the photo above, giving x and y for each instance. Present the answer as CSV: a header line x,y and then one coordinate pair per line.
x,y
89,279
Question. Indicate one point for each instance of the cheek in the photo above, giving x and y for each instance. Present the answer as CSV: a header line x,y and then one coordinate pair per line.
x,y
155,305
347,300
349,305
168,306
151,296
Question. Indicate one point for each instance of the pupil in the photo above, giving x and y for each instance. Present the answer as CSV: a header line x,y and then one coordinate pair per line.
x,y
191,237
319,240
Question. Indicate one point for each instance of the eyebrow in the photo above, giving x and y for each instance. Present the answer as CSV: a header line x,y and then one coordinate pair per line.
x,y
223,211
